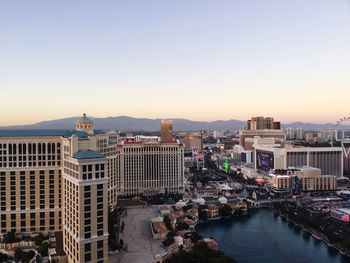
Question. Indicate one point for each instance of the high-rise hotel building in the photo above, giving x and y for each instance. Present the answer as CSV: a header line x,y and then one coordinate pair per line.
x,y
264,127
166,131
150,167
66,180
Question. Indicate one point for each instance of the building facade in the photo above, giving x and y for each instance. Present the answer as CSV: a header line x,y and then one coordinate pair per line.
x,y
191,140
250,134
328,159
58,180
280,181
308,179
149,167
299,133
290,133
166,131
263,123
30,183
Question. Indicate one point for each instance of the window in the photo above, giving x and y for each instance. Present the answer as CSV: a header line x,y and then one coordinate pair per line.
x,y
99,244
87,247
100,254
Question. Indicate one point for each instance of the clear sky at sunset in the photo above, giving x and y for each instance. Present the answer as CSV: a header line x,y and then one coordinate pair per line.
x,y
195,59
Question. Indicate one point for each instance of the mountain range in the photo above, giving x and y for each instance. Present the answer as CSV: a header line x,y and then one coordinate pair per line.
x,y
125,123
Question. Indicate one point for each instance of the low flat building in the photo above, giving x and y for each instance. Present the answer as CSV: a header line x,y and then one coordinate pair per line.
x,y
191,140
206,192
213,212
342,214
306,179
159,230
280,181
165,209
311,180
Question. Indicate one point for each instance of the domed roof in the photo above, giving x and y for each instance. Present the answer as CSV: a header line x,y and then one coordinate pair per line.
x,y
180,204
200,201
84,119
85,124
223,200
226,187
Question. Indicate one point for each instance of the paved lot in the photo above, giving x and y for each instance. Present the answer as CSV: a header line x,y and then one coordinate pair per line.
x,y
138,237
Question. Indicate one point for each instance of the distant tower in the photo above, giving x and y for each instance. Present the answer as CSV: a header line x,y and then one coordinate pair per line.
x,y
166,131
85,124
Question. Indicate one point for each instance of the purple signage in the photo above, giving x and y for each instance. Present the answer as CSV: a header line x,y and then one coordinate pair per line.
x,y
265,161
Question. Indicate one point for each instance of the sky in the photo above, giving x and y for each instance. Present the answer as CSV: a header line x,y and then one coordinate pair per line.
x,y
194,59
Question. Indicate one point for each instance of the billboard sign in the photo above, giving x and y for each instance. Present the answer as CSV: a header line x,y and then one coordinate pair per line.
x,y
265,161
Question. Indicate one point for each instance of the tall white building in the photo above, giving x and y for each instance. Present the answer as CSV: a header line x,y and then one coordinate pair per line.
x,y
299,133
290,133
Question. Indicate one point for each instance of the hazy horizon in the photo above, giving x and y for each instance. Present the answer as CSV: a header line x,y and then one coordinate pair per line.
x,y
169,118
199,60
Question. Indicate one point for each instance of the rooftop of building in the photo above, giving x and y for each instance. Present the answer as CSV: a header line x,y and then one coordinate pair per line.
x,y
212,207
293,148
346,192
343,210
287,171
147,142
159,227
88,154
261,131
44,133
165,207
309,168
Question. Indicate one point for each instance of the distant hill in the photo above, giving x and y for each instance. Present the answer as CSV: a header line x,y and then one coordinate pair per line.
x,y
125,123
313,126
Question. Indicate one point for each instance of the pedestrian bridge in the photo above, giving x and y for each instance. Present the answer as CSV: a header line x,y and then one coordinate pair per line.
x,y
267,202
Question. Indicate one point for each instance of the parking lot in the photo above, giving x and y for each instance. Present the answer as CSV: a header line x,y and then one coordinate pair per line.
x,y
137,235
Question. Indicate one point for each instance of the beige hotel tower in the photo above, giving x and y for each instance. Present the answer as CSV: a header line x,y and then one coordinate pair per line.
x,y
58,180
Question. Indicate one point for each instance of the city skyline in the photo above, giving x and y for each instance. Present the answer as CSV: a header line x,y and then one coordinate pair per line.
x,y
102,118
185,59
174,131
